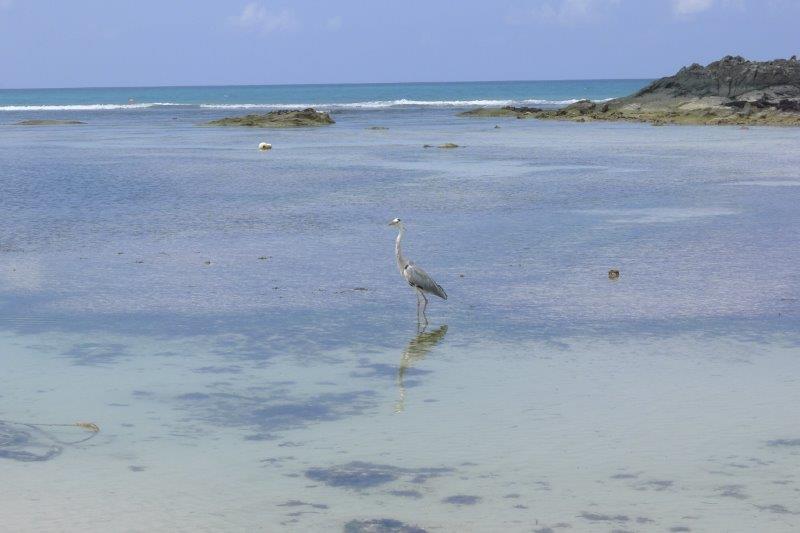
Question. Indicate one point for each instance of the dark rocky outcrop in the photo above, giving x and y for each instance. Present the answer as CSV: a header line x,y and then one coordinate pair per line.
x,y
730,77
732,90
47,122
278,119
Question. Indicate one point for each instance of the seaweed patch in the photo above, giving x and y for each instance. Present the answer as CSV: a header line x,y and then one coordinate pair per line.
x,y
784,442
415,494
654,484
597,517
363,475
775,508
462,499
380,525
732,491
276,412
95,353
299,503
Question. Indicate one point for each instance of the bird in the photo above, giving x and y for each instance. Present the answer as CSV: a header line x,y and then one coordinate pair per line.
x,y
417,278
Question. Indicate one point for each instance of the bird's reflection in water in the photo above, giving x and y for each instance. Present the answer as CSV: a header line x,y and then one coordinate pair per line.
x,y
418,348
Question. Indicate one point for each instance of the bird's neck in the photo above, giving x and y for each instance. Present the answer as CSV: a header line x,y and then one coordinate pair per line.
x,y
398,250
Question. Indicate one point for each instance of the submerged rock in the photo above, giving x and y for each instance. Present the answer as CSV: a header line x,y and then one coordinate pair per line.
x,y
278,119
506,111
732,90
47,122
613,274
445,145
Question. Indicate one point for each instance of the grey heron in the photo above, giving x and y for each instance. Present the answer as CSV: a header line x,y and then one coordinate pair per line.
x,y
417,278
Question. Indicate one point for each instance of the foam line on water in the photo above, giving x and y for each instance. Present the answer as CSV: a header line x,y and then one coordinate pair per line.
x,y
376,104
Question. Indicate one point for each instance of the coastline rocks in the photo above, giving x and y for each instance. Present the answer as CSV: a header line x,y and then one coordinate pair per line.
x,y
47,122
278,119
729,77
731,91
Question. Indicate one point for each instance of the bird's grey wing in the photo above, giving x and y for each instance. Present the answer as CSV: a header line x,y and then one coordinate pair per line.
x,y
417,277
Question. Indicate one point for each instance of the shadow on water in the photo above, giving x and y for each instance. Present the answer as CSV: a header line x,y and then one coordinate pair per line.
x,y
418,348
277,410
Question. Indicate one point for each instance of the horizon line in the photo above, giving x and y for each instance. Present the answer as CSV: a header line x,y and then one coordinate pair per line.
x,y
319,84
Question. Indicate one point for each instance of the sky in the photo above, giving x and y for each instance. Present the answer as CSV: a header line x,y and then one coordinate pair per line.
x,y
95,43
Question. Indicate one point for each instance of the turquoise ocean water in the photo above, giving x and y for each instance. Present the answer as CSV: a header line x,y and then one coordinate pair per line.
x,y
354,96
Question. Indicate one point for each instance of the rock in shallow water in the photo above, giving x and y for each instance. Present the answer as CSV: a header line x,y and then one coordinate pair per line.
x,y
278,119
47,122
445,145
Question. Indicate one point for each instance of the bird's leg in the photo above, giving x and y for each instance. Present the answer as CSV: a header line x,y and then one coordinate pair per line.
x,y
424,306
416,291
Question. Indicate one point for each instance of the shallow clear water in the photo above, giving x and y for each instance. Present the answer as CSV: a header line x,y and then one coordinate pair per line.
x,y
234,322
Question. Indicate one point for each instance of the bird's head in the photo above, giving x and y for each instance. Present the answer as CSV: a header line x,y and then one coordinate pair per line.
x,y
395,222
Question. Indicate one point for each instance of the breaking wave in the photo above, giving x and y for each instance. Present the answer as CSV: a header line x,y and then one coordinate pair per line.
x,y
85,107
383,104
376,104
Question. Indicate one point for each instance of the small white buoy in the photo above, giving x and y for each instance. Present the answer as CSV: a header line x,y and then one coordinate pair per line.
x,y
265,146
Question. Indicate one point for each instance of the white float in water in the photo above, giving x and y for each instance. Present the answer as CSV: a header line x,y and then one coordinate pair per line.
x,y
265,146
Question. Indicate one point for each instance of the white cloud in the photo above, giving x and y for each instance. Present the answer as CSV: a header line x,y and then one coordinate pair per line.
x,y
688,7
565,12
334,23
255,16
